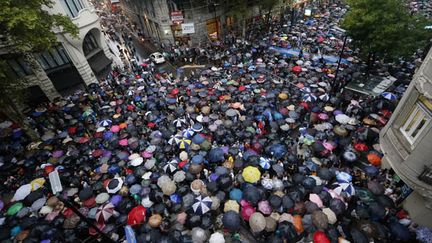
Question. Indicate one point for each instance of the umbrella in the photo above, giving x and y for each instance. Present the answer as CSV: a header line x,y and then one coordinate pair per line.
x,y
171,166
136,215
202,205
216,155
231,205
12,210
174,139
104,212
342,118
265,163
114,185
22,192
389,96
257,222
343,177
179,122
278,151
423,234
374,159
37,183
344,187
184,143
309,97
400,232
375,187
137,161
105,123
188,133
251,174
130,234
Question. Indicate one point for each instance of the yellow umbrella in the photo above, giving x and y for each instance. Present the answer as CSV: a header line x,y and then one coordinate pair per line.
x,y
231,205
283,96
251,174
37,183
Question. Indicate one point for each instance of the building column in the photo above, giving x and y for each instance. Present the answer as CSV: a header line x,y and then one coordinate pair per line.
x,y
41,79
81,64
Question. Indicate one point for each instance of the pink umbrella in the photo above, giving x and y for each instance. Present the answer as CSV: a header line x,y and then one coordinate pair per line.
x,y
246,212
146,154
316,199
123,142
329,145
264,207
115,128
323,116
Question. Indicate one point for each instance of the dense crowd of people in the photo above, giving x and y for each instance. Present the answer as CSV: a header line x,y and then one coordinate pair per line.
x,y
265,145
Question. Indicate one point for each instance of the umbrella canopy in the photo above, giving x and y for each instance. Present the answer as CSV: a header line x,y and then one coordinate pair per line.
x,y
22,192
184,143
251,174
202,205
231,221
389,96
265,163
344,187
171,166
136,215
114,185
104,212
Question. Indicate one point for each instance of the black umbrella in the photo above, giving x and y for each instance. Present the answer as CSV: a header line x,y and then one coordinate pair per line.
x,y
287,202
251,194
231,221
337,206
385,201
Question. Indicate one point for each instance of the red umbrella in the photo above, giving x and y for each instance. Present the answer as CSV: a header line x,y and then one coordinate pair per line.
x,y
374,159
297,69
175,91
143,64
361,147
136,215
104,212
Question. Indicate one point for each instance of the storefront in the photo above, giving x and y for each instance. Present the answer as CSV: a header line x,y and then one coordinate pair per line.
x,y
213,29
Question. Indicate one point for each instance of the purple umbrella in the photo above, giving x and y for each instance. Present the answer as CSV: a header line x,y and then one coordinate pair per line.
x,y
57,154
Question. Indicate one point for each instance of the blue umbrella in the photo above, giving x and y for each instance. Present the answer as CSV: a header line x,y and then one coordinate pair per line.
x,y
345,187
202,205
236,194
216,155
389,96
400,232
188,133
197,159
265,163
105,123
130,234
107,135
343,177
278,150
198,139
249,153
371,170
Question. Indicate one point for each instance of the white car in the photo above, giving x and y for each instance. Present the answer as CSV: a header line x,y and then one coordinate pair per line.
x,y
157,58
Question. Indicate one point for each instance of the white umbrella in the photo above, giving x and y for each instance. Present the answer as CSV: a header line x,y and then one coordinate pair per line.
x,y
342,118
22,192
137,161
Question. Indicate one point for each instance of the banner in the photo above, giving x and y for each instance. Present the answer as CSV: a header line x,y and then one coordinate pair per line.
x,y
188,28
176,17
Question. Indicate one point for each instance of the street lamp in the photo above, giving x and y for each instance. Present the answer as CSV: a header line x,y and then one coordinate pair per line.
x,y
340,30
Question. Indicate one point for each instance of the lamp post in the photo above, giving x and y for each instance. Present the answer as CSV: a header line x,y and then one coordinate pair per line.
x,y
336,29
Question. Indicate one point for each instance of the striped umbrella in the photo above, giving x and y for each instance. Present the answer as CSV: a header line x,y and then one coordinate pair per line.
x,y
389,96
105,123
344,187
188,133
265,163
202,205
179,122
171,166
104,212
309,98
184,143
174,139
324,97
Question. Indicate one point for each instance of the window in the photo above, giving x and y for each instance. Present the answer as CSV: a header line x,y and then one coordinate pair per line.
x,y
417,121
19,67
89,44
53,58
72,7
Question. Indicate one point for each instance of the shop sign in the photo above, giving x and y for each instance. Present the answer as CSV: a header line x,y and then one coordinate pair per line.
x,y
177,17
188,28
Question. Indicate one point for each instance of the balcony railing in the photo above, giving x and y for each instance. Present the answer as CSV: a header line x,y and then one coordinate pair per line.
x,y
426,175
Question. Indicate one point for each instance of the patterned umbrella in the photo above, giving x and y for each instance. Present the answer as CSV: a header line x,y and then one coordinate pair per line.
x,y
104,123
114,185
188,133
265,163
171,166
179,122
202,205
184,143
174,139
324,97
346,187
389,96
309,98
104,212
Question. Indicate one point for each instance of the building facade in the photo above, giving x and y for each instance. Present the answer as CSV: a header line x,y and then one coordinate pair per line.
x,y
406,142
73,63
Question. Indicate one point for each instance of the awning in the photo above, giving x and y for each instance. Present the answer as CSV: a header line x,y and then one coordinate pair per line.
x,y
98,62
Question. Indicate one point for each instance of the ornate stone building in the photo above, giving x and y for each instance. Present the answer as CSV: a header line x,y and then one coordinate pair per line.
x,y
407,143
73,63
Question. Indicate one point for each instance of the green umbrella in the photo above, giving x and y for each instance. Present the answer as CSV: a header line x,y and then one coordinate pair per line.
x,y
365,195
206,145
14,209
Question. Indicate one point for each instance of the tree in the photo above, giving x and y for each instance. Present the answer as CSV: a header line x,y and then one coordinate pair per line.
x,y
268,5
239,10
26,27
384,29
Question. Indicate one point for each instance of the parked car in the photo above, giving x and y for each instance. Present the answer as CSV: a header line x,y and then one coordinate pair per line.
x,y
157,58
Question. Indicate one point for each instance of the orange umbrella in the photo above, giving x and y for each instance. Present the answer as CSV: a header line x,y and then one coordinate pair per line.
x,y
374,159
297,222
